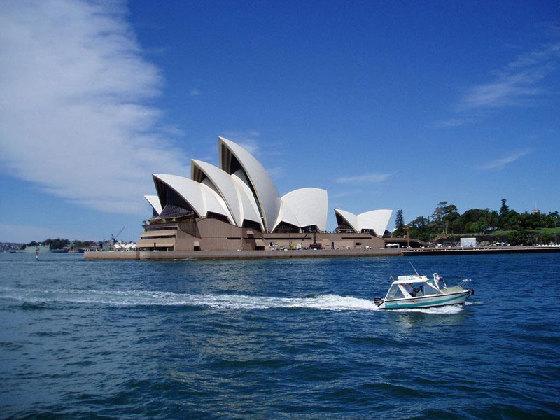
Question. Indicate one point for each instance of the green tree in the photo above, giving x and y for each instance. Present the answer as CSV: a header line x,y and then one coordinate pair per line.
x,y
57,243
444,215
420,228
504,208
399,223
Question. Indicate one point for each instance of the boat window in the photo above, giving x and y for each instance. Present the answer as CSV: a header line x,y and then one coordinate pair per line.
x,y
416,289
430,290
394,292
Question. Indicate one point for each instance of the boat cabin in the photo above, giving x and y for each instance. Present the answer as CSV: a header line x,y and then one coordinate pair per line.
x,y
407,287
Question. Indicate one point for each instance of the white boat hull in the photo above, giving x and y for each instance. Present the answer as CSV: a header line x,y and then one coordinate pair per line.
x,y
458,298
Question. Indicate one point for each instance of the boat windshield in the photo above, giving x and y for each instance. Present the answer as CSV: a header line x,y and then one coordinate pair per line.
x,y
421,289
407,290
394,292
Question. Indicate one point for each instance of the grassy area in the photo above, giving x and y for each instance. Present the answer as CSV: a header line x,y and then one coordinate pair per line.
x,y
550,231
540,235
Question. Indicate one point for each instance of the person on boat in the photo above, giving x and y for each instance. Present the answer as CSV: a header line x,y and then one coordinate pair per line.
x,y
439,281
410,290
417,290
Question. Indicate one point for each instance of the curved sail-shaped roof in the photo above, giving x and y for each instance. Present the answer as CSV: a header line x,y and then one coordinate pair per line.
x,y
213,203
350,218
186,188
304,207
154,202
200,197
250,210
222,183
287,215
376,220
234,157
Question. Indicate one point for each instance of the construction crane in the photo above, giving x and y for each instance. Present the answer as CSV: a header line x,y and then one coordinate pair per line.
x,y
114,238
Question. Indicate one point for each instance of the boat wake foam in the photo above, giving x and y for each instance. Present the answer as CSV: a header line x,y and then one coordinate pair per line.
x,y
437,310
226,301
144,298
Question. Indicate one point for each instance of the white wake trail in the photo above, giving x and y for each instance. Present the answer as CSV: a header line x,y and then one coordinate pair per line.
x,y
144,298
226,301
437,310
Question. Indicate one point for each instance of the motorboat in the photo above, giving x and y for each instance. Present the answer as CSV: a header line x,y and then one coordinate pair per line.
x,y
418,291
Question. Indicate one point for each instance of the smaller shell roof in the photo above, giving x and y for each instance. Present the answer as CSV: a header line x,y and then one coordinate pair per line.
x,y
200,197
350,218
224,184
305,207
250,210
154,202
377,220
186,188
214,203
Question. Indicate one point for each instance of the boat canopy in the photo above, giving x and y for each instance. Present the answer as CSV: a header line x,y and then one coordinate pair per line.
x,y
413,286
411,279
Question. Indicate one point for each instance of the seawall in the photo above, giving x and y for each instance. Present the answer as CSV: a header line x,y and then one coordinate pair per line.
x,y
238,255
308,253
481,250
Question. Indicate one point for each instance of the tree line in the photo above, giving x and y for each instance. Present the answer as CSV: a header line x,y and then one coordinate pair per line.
x,y
504,224
59,244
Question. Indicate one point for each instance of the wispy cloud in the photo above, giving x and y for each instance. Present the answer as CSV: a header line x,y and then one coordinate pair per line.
x,y
195,92
345,193
74,110
365,178
502,162
450,123
517,81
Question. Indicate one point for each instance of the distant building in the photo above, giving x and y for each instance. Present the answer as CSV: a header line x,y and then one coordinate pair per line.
x,y
468,242
41,248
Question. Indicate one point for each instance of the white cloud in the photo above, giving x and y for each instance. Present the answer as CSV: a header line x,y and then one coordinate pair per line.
x,y
501,163
450,123
365,178
73,111
509,90
195,92
517,81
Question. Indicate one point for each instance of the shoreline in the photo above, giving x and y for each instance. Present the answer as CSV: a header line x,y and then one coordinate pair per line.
x,y
307,253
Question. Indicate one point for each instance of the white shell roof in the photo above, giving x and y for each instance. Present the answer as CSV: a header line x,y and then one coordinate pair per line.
x,y
225,187
350,218
250,210
214,203
265,190
378,220
200,197
304,207
286,215
186,188
154,202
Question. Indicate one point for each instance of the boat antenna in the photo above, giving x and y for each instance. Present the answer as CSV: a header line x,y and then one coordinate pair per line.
x,y
414,268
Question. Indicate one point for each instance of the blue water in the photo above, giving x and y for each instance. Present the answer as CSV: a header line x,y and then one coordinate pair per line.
x,y
276,339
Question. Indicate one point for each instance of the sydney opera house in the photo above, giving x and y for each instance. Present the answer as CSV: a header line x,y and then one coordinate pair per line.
x,y
236,206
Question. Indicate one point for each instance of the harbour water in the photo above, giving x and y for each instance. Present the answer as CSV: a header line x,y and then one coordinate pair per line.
x,y
271,338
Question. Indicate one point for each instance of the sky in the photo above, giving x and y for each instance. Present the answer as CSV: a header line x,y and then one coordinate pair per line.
x,y
394,105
